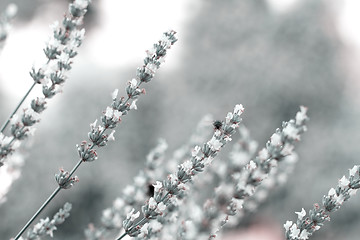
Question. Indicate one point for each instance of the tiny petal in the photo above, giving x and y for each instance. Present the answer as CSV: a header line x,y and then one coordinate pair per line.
x,y
114,93
111,136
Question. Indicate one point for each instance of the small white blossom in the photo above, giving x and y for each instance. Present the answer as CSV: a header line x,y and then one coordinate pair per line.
x,y
117,114
344,182
152,203
161,206
93,125
133,104
144,230
157,186
301,116
304,235
276,139
252,165
291,132
332,192
227,138
109,112
339,199
294,231
111,136
352,172
187,166
239,109
263,154
82,4
132,216
287,149
352,192
150,68
195,151
215,144
63,57
301,214
228,117
114,93
133,83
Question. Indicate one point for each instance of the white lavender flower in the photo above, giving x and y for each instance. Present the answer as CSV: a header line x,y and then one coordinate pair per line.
x,y
175,184
60,49
259,169
304,227
133,196
47,226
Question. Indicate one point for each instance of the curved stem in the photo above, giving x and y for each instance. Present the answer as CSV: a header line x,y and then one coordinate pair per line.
x,y
17,108
57,190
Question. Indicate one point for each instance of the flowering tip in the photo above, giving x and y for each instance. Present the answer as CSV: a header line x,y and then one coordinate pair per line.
x,y
114,93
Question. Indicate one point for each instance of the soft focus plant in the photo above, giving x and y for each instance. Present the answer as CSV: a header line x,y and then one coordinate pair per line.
x,y
165,200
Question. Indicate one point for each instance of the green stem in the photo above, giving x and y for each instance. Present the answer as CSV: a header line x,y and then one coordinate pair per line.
x,y
57,190
17,108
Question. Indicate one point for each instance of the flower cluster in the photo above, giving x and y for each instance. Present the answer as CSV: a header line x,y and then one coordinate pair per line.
x,y
246,181
175,184
306,226
47,226
64,180
133,196
219,176
59,51
5,19
121,106
109,120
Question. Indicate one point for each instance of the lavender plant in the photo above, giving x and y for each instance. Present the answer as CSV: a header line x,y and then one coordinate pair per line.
x,y
111,117
47,226
166,192
60,50
305,226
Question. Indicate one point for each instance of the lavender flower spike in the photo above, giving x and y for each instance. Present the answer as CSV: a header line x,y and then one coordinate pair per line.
x,y
306,226
47,226
280,145
110,118
60,49
175,184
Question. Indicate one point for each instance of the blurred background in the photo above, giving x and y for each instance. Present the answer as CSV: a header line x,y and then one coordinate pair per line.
x,y
270,55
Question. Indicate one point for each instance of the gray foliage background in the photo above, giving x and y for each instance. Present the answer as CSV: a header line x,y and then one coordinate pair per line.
x,y
233,52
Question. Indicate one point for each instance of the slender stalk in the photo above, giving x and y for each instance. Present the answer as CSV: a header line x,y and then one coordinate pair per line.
x,y
38,212
17,108
75,168
122,236
57,190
